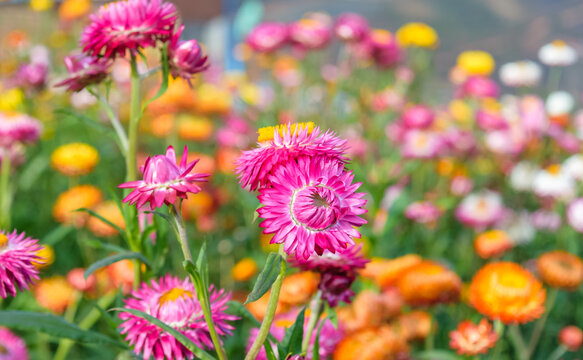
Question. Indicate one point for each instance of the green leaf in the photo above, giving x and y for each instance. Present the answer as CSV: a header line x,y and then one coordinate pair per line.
x,y
292,340
53,325
113,259
332,315
202,264
32,171
66,112
266,277
161,214
96,215
316,348
198,352
57,234
437,355
269,350
100,244
165,76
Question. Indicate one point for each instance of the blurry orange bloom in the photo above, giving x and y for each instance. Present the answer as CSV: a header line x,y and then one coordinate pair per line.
x,y
445,166
74,159
179,96
560,269
162,125
226,159
213,100
386,272
472,339
121,275
76,279
297,289
54,293
383,343
16,39
370,309
507,292
47,255
74,9
82,196
415,325
429,283
259,307
110,211
492,243
195,128
198,205
244,269
205,165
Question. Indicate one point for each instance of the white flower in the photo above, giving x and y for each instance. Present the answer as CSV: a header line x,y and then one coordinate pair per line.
x,y
518,227
559,103
573,166
522,176
554,182
520,73
575,214
557,53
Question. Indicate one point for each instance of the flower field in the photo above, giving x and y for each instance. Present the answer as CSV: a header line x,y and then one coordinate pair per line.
x,y
337,198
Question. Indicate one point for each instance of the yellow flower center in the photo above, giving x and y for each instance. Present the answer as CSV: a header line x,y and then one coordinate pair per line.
x,y
3,240
46,255
173,295
554,169
268,133
559,43
513,280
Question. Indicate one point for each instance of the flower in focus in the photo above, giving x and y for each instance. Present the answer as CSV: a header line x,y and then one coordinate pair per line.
x,y
46,256
520,73
476,62
560,269
74,159
472,339
244,269
81,196
429,283
282,144
11,346
268,37
553,182
16,127
351,27
480,210
110,211
383,342
128,25
417,34
505,291
185,58
557,53
74,9
84,71
312,207
54,293
18,255
164,180
571,337
310,33
384,48
492,243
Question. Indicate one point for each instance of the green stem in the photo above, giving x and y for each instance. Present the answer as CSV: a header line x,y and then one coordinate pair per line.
x,y
201,291
540,324
69,316
135,114
430,339
5,193
554,79
115,123
499,328
518,342
316,311
559,351
269,313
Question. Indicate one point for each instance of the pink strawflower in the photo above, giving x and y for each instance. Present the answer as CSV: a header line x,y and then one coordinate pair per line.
x,y
268,37
17,260
460,141
164,180
533,115
15,152
312,207
490,120
461,185
18,128
128,25
417,117
185,57
384,48
575,214
11,346
421,144
478,87
281,145
480,210
351,27
310,33
32,76
547,220
174,302
84,71
423,212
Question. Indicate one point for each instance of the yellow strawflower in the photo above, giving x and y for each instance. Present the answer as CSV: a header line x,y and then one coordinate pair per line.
x,y
74,159
476,62
417,34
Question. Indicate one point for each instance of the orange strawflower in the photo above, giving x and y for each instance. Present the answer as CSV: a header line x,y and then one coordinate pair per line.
x,y
386,272
560,269
74,159
382,343
74,9
472,339
492,243
199,205
244,270
259,307
415,325
54,293
297,289
507,292
370,309
82,196
195,128
162,125
121,275
206,163
110,211
428,283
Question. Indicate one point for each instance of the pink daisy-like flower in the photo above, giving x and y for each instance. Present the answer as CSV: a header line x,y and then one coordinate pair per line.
x,y
164,180
128,25
478,87
310,33
480,210
11,346
18,128
417,117
491,120
282,144
423,212
84,71
174,302
268,37
313,206
384,48
17,260
185,57
351,27
422,144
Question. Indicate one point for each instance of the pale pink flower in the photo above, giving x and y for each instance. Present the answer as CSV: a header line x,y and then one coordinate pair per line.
x,y
480,210
351,27
423,212
18,128
490,120
575,214
417,117
268,37
533,115
13,347
421,144
310,33
17,262
546,220
461,185
478,87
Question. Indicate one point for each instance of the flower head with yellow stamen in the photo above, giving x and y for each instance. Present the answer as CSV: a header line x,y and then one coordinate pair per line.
x,y
18,256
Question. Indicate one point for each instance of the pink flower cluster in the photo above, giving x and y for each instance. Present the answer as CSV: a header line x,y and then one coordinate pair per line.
x,y
15,131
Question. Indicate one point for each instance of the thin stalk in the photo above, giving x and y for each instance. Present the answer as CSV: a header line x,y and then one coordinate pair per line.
x,y
135,114
115,123
269,313
430,339
5,193
316,311
150,72
201,291
499,328
518,342
69,316
540,324
559,351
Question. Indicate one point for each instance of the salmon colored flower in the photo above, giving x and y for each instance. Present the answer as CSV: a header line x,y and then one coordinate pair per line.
x,y
429,283
54,293
76,279
121,275
198,206
370,309
472,339
571,337
74,159
415,325
297,289
560,269
244,269
505,291
111,212
82,196
18,256
492,243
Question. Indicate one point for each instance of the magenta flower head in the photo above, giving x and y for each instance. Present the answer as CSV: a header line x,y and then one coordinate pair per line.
x,y
282,144
128,25
17,262
11,346
18,128
85,70
312,207
478,87
384,48
489,120
186,58
310,33
164,180
351,27
417,117
174,302
268,37
32,76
